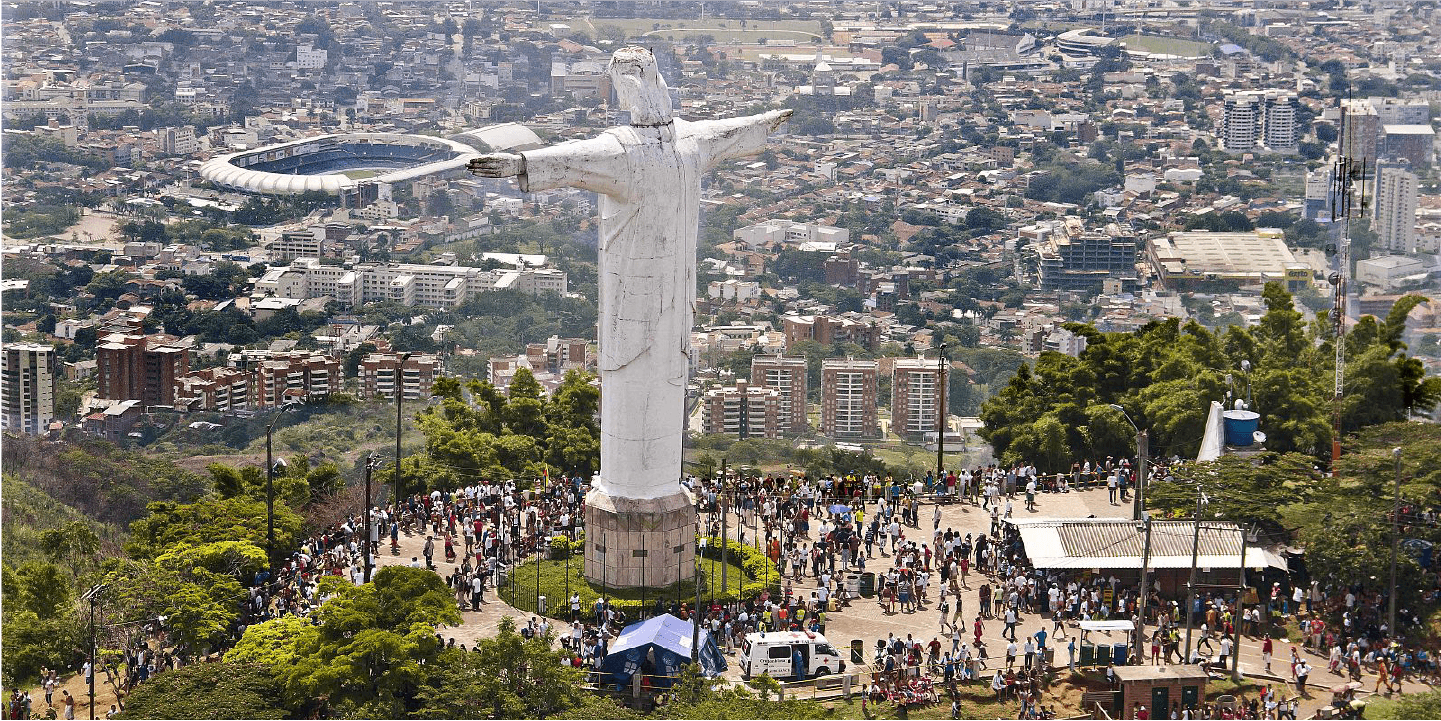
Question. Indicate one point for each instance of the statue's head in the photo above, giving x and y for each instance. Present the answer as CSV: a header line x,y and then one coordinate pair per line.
x,y
639,86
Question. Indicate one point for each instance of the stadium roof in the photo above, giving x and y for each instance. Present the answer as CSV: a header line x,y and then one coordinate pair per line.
x,y
222,171
506,136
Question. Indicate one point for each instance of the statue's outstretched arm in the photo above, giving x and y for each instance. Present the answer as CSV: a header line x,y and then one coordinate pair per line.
x,y
594,164
732,138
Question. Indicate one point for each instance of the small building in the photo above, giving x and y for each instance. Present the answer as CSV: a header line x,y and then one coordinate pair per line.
x,y
1157,687
1115,546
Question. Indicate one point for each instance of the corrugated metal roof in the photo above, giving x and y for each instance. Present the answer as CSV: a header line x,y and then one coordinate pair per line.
x,y
1117,543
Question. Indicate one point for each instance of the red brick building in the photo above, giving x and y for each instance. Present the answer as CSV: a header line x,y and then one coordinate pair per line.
x,y
130,366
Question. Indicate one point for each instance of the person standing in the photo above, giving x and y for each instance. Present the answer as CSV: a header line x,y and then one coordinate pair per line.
x,y
67,702
1266,649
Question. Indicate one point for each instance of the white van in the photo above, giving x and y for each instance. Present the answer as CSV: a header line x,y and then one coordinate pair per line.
x,y
773,654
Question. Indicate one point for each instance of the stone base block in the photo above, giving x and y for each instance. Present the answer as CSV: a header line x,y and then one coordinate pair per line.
x,y
632,542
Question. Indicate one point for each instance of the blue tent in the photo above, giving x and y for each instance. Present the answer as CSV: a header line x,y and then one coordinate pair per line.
x,y
662,646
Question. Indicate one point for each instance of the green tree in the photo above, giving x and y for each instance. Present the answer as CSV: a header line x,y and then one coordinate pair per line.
x,y
505,676
208,691
367,653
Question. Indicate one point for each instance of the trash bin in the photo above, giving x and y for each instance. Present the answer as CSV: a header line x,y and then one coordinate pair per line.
x,y
1118,653
1048,657
853,584
868,584
1088,654
858,651
540,605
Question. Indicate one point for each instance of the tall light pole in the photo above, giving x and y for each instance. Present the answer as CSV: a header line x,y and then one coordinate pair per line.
x,y
369,466
1240,596
941,419
1143,452
1395,543
270,493
695,616
1145,526
93,596
1191,586
399,397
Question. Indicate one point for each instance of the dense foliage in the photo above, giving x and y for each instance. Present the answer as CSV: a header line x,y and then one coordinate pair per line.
x,y
1165,375
475,432
207,691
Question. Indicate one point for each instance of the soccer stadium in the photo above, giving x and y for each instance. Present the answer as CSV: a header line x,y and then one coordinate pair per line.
x,y
340,164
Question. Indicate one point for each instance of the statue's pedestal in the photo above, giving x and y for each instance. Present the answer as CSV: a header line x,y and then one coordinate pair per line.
x,y
634,542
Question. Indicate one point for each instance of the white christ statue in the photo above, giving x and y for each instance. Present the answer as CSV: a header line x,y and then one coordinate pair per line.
x,y
648,176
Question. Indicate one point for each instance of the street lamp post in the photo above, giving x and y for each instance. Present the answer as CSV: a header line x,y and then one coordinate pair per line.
x,y
369,466
1143,452
1145,582
399,396
1191,586
270,494
93,596
1395,543
941,419
695,616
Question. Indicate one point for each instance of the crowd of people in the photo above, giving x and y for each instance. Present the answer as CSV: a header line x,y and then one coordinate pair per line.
x,y
821,536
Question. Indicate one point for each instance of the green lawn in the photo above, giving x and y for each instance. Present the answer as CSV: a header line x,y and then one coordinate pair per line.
x,y
358,173
553,585
1169,45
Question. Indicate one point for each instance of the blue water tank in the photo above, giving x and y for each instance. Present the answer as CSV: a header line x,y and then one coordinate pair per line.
x,y
1240,425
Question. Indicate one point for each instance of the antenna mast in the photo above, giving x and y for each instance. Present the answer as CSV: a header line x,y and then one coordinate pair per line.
x,y
1345,172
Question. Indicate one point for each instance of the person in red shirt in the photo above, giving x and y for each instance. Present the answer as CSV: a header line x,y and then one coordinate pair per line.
x,y
1266,649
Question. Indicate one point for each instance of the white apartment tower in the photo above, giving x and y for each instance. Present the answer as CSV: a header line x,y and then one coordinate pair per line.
x,y
1395,209
1241,124
28,389
1259,120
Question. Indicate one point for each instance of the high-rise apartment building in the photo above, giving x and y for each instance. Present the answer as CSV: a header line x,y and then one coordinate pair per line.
x,y
1259,120
1240,122
787,376
1395,209
378,375
1073,257
147,368
1360,131
915,397
848,399
742,410
1280,132
297,378
220,389
28,389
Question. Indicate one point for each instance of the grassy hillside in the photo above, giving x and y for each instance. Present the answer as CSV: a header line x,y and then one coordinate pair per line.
x,y
26,512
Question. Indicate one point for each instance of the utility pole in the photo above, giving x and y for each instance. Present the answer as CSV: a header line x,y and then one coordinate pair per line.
x,y
1143,449
941,419
1236,619
270,495
399,396
1191,586
695,614
1395,543
93,596
1145,595
725,521
369,464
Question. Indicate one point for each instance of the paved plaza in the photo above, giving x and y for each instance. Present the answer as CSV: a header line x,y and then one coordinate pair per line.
x,y
866,618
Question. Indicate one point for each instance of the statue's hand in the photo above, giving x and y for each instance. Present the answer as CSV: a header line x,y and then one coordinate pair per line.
x,y
776,117
497,165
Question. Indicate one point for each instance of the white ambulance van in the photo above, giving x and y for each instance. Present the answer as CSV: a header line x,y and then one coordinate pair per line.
x,y
774,654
